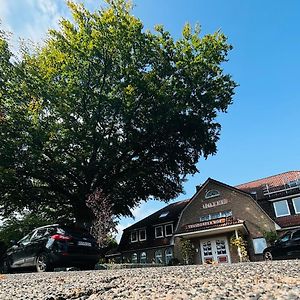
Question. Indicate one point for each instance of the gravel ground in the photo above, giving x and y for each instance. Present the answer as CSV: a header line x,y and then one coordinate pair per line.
x,y
263,280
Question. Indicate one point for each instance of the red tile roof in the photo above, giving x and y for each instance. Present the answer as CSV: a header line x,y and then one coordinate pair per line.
x,y
272,181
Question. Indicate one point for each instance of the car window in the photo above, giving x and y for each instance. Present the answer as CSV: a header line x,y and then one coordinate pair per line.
x,y
296,234
285,238
39,234
43,232
26,239
50,230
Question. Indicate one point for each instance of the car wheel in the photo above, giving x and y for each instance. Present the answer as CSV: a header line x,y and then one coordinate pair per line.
x,y
268,256
42,263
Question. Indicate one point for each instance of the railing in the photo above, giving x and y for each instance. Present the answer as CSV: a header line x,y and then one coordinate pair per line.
x,y
285,187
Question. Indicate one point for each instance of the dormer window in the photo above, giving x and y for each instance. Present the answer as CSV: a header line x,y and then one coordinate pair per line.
x,y
212,194
164,214
134,236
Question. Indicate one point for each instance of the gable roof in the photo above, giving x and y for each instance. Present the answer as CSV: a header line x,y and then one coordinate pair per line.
x,y
172,212
209,180
272,182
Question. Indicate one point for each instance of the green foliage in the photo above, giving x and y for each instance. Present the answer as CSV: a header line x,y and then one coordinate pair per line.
x,y
105,104
270,236
3,248
241,244
187,251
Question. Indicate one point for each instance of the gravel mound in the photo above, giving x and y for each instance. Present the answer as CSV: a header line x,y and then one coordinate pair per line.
x,y
260,280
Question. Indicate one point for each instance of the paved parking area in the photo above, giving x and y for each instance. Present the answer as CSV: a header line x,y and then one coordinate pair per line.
x,y
263,280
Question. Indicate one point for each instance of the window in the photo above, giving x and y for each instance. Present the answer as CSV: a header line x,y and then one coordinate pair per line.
x,y
296,202
164,214
134,258
26,239
205,218
143,258
286,237
281,208
221,214
296,235
134,236
294,183
168,255
259,245
168,229
211,194
158,257
142,236
159,232
39,234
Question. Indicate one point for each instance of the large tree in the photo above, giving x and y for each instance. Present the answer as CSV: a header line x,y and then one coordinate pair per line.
x,y
106,104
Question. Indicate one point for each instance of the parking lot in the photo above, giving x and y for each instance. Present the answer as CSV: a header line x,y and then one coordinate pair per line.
x,y
262,280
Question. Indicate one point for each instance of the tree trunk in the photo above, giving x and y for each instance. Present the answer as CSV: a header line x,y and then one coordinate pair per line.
x,y
83,215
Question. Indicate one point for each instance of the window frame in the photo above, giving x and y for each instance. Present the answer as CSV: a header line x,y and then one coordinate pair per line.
x,y
136,234
295,209
158,254
211,196
143,256
170,224
140,235
222,214
162,232
168,256
275,210
135,255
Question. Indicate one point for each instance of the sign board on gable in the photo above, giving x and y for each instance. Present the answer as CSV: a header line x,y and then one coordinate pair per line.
x,y
215,203
206,223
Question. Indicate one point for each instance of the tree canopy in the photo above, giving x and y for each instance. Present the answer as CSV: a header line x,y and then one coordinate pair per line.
x,y
105,104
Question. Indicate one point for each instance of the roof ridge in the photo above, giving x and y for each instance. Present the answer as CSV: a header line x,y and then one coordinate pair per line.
x,y
267,177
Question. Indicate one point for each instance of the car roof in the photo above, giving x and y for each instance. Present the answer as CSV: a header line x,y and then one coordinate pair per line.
x,y
46,226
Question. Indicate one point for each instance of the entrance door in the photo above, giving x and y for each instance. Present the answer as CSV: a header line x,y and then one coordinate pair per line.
x,y
215,250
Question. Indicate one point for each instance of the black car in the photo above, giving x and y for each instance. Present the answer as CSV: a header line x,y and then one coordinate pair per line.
x,y
286,247
53,246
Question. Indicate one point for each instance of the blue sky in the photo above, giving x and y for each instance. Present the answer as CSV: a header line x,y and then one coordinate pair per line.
x,y
259,134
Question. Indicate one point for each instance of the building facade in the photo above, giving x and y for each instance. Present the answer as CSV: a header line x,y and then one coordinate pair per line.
x,y
151,240
279,196
214,220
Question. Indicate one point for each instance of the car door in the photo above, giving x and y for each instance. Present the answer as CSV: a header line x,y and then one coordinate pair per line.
x,y
282,247
17,252
35,246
